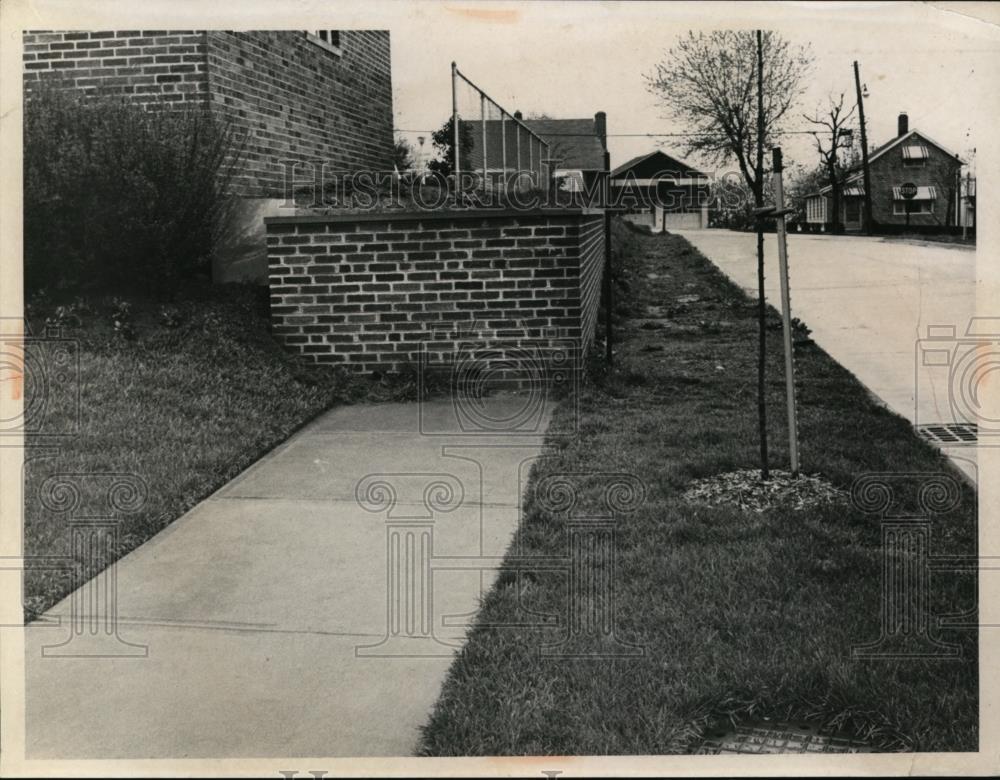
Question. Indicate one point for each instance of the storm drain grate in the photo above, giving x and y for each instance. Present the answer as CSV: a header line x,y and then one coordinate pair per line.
x,y
774,737
950,433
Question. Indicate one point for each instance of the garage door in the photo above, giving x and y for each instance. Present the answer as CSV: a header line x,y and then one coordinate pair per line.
x,y
685,221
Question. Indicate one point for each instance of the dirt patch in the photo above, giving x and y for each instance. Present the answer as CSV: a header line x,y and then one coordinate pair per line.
x,y
746,490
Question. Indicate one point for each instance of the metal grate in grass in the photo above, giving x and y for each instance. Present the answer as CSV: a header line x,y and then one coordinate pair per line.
x,y
950,433
766,736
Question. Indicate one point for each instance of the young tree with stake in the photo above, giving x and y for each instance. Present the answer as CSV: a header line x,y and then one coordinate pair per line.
x,y
732,89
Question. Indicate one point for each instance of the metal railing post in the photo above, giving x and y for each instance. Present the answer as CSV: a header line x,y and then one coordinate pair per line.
x,y
531,156
519,126
503,141
482,118
517,131
609,353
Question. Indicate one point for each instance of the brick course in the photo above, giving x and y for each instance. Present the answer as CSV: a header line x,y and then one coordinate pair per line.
x,y
148,66
385,292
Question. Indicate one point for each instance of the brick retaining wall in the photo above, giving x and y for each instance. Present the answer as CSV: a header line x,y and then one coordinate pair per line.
x,y
381,292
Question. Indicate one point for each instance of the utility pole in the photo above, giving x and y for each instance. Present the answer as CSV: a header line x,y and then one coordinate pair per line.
x,y
761,303
964,212
454,124
864,151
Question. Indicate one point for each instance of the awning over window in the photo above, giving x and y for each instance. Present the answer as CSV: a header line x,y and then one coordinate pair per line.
x,y
915,153
856,191
923,193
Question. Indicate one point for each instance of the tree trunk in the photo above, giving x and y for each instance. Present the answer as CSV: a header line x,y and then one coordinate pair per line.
x,y
758,193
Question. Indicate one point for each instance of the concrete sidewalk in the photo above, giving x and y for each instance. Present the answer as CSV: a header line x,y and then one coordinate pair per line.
x,y
263,611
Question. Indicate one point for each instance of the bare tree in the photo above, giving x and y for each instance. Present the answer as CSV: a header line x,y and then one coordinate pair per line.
x,y
708,83
838,137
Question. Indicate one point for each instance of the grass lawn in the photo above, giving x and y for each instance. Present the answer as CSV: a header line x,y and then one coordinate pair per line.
x,y
184,397
739,613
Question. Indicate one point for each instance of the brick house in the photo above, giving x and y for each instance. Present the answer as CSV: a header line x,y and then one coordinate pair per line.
x,y
303,97
577,147
911,157
662,192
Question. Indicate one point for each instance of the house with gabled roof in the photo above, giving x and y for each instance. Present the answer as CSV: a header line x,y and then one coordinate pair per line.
x,y
911,158
662,192
569,151
576,150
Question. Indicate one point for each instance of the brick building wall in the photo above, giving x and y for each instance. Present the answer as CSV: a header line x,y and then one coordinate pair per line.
x,y
302,102
146,65
297,100
381,292
591,271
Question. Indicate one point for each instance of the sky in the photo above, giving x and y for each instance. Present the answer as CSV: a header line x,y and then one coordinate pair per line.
x,y
571,59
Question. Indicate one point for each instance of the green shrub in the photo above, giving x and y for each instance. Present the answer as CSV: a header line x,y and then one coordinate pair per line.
x,y
118,197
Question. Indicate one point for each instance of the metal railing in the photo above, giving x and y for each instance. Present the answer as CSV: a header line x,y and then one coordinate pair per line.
x,y
492,143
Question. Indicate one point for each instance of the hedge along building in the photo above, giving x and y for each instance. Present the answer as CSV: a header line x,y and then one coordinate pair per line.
x,y
311,103
912,157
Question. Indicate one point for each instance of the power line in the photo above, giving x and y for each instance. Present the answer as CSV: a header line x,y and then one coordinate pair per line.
x,y
626,135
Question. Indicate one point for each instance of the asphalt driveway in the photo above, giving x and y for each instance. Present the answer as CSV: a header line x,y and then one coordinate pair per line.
x,y
869,303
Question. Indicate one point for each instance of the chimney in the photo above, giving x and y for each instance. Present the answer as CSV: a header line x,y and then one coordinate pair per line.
x,y
601,127
904,125
517,115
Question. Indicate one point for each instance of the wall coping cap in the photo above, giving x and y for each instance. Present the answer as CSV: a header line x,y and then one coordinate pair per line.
x,y
391,216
